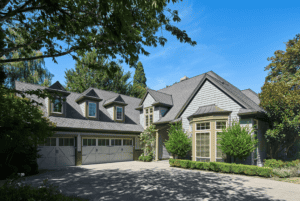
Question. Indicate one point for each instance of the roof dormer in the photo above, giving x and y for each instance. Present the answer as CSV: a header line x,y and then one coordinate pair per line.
x,y
116,108
89,104
58,106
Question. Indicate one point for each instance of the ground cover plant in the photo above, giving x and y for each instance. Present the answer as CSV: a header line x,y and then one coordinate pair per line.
x,y
14,190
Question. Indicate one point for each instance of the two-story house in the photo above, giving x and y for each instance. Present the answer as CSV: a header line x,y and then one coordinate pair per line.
x,y
100,126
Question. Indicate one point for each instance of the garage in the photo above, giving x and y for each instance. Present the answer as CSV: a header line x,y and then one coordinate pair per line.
x,y
100,150
56,152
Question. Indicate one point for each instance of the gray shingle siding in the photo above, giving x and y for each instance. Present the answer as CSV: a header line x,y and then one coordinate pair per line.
x,y
149,100
209,94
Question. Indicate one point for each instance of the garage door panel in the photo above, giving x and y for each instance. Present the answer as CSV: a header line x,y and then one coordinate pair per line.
x,y
65,156
88,155
102,158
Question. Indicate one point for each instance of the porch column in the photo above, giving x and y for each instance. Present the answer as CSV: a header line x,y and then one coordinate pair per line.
x,y
156,148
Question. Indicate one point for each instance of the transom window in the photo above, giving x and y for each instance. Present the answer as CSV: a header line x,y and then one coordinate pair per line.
x,y
202,146
66,141
203,126
148,116
220,124
103,142
89,142
116,142
127,142
57,106
49,142
92,109
119,113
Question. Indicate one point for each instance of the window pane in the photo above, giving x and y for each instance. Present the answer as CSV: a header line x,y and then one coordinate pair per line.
x,y
57,105
107,142
162,112
198,126
119,113
89,142
71,141
66,141
84,142
93,142
53,141
151,119
118,142
151,110
112,142
207,125
92,109
61,141
146,111
146,120
47,142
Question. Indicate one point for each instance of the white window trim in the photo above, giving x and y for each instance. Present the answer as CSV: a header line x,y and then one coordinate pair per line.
x,y
52,107
117,113
149,113
202,131
202,123
226,123
89,109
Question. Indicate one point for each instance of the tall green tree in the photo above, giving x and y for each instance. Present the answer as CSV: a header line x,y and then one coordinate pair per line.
x,y
139,77
280,97
82,77
237,141
33,71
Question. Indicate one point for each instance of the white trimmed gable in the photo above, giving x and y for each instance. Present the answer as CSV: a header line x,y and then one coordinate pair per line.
x,y
209,94
149,100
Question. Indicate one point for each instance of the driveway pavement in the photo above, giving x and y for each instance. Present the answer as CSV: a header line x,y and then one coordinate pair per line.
x,y
136,180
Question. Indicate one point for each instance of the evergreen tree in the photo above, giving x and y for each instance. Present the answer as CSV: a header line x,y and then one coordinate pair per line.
x,y
139,75
83,77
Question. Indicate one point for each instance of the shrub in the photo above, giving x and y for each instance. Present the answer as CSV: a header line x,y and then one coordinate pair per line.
x,y
283,173
273,163
171,162
193,164
206,165
251,170
214,166
185,163
11,190
177,162
224,167
265,172
237,169
199,165
148,158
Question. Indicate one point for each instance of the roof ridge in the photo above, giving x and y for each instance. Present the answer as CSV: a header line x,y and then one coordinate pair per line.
x,y
251,91
160,92
183,80
116,93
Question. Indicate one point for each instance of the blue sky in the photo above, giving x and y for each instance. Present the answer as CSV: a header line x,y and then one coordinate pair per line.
x,y
234,39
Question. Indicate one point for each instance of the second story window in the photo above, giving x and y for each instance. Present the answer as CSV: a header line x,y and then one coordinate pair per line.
x,y
119,113
203,126
92,109
163,112
148,116
57,105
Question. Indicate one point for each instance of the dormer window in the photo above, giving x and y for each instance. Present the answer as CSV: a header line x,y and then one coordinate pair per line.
x,y
92,109
163,112
57,106
119,113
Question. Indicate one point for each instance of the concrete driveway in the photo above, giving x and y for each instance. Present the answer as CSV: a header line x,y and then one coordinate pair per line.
x,y
136,180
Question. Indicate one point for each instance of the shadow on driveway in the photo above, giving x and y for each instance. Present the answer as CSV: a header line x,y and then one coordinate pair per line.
x,y
149,184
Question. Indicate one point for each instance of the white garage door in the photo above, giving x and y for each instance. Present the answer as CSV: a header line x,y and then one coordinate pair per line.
x,y
56,152
106,150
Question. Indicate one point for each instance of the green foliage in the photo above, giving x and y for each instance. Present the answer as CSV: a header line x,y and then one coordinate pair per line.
x,y
273,163
22,124
178,143
280,97
137,91
177,163
111,27
33,71
193,164
236,141
171,162
147,139
199,165
185,163
147,158
82,77
225,167
139,76
12,191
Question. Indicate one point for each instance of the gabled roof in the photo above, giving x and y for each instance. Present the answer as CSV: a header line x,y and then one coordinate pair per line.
x,y
252,95
75,119
160,98
208,109
88,94
183,92
115,100
58,88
